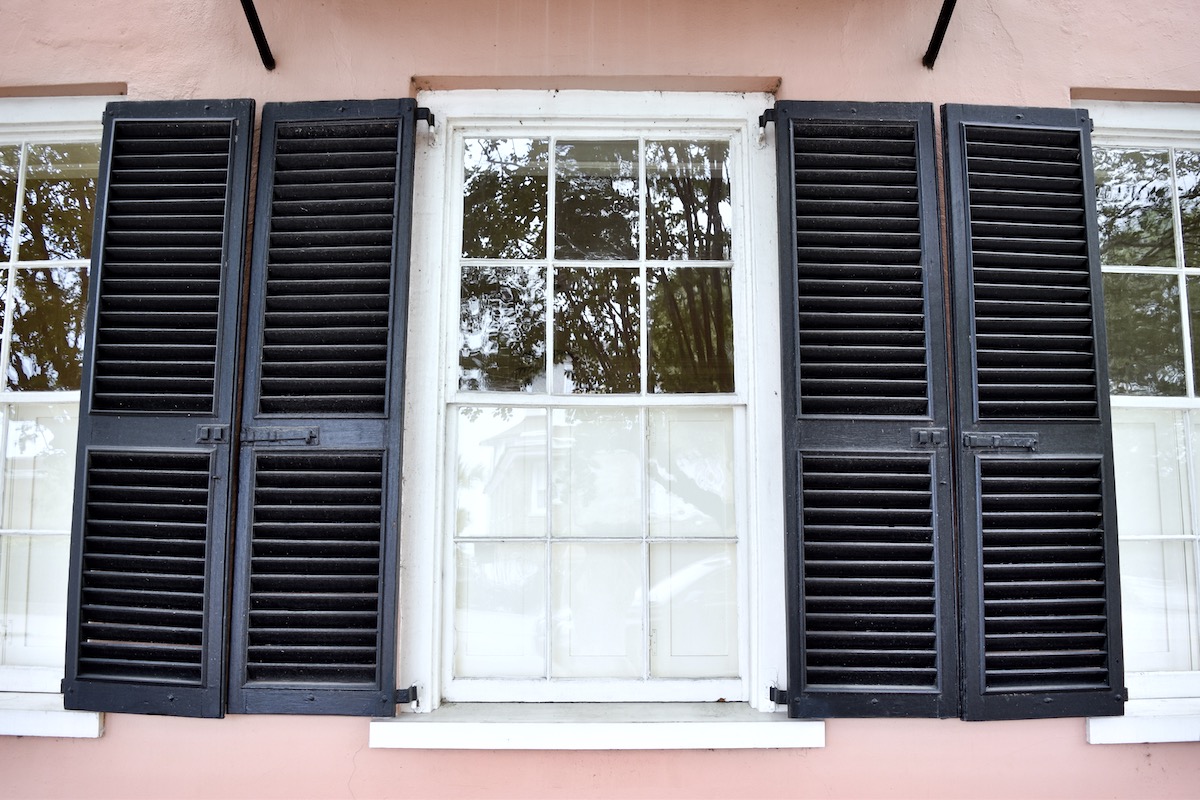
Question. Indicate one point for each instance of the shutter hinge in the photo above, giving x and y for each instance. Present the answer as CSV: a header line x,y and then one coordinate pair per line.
x,y
406,696
426,115
212,434
779,696
765,117
996,441
928,437
289,436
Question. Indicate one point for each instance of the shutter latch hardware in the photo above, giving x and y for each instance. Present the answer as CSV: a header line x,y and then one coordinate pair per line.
x,y
996,441
286,436
212,434
406,696
779,696
928,437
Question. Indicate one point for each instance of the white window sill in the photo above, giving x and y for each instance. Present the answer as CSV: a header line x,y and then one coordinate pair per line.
x,y
1147,721
595,726
34,714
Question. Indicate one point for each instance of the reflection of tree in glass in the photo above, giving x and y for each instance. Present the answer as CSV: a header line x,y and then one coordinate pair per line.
x,y
597,329
47,338
687,197
1145,336
1133,204
691,330
60,192
1187,175
502,319
9,164
596,204
504,198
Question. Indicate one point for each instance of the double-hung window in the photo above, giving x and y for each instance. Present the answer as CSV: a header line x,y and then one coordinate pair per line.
x,y
1147,161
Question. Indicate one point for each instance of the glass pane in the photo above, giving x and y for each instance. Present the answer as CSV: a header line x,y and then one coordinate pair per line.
x,y
47,339
10,162
502,322
691,330
596,200
1150,450
1158,603
39,466
505,186
500,610
693,610
687,203
501,472
1145,337
33,599
1187,176
597,472
1133,202
597,610
597,331
60,195
691,472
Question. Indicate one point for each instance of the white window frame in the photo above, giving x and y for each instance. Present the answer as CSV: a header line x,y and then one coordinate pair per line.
x,y
1162,706
30,699
425,600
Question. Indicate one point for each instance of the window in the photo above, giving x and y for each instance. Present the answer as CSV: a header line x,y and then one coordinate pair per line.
x,y
595,521
49,153
1147,161
606,449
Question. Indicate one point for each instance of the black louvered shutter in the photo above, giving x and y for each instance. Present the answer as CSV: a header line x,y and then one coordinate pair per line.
x,y
1040,603
147,594
870,549
314,625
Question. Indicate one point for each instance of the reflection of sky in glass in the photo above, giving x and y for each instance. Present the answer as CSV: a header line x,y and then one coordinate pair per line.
x,y
1187,176
502,318
596,200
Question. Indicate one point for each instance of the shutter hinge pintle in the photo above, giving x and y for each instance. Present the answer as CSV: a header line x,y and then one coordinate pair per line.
x,y
406,696
779,696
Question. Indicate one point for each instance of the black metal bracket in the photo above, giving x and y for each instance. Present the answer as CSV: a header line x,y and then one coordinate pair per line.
x,y
426,115
406,696
939,33
765,117
779,696
260,38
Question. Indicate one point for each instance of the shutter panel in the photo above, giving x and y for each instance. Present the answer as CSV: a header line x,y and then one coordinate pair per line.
x,y
314,624
147,608
870,551
1040,603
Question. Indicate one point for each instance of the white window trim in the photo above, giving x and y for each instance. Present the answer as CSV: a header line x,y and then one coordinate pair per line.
x,y
1162,707
423,598
30,702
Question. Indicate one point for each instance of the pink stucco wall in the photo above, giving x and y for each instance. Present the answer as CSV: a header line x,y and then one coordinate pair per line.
x,y
997,51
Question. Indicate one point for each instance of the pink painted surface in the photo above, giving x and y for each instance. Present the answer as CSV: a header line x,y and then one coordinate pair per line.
x,y
997,51
276,757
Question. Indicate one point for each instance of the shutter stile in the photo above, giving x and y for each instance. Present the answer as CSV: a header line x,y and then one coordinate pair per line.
x,y
1040,600
869,564
146,600
314,627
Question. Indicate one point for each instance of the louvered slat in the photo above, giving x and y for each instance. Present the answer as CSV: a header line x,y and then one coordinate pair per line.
x,y
1043,575
166,190
315,567
144,556
869,568
858,251
1022,181
329,264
